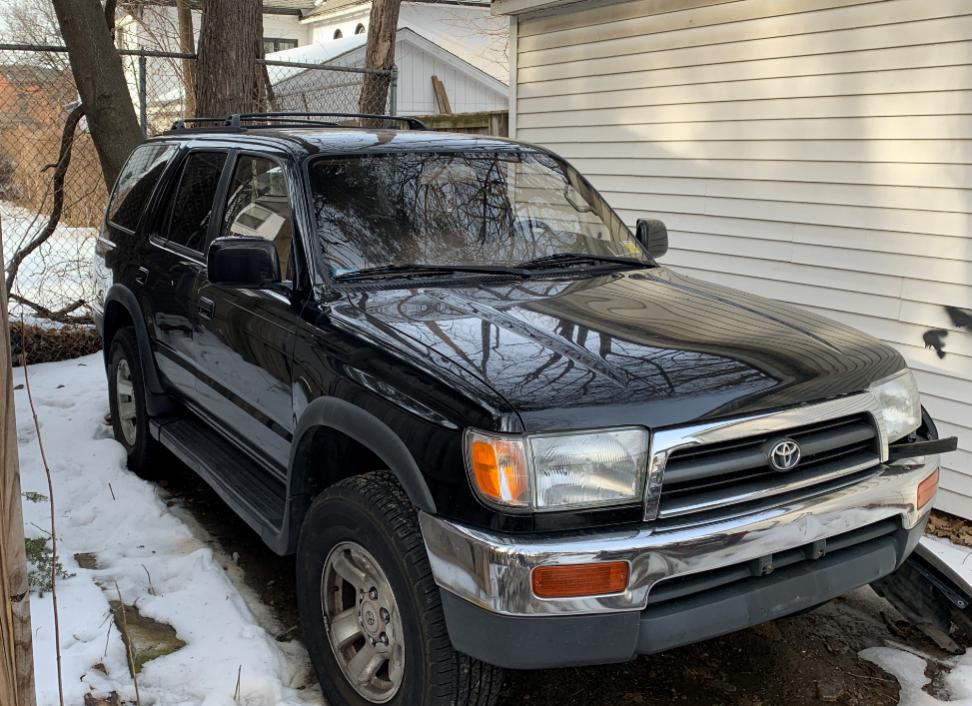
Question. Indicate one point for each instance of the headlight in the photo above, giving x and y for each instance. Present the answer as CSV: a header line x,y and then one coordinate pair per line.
x,y
558,471
899,408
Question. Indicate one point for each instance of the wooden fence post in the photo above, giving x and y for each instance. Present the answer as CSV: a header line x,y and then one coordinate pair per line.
x,y
17,668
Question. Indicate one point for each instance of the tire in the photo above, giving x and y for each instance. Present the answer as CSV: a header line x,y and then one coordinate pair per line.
x,y
125,366
371,512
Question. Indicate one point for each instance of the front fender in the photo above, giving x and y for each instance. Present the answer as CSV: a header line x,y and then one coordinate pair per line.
x,y
372,433
121,298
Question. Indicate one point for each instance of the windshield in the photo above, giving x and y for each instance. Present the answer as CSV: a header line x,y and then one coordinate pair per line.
x,y
459,209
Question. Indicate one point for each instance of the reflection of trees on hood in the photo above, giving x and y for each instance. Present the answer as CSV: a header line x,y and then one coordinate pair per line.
x,y
549,355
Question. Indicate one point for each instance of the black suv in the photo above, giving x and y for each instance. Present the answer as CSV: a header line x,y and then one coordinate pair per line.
x,y
494,430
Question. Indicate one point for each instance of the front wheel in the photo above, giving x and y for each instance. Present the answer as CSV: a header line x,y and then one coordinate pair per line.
x,y
369,609
126,397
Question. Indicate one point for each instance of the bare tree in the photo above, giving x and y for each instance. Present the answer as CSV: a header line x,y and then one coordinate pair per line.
x,y
187,45
380,54
228,77
34,22
100,79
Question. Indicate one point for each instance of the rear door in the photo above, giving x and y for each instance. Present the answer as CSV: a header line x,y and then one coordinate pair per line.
x,y
245,335
175,264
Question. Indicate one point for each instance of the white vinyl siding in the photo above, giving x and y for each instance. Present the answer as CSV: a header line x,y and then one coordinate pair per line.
x,y
814,151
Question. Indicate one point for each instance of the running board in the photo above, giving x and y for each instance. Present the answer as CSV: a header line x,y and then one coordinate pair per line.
x,y
246,486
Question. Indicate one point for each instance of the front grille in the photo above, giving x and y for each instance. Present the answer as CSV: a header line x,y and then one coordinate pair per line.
x,y
787,561
728,474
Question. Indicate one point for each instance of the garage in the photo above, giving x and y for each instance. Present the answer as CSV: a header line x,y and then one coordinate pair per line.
x,y
812,151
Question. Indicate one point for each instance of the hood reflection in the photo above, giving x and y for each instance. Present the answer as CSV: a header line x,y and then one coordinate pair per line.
x,y
554,348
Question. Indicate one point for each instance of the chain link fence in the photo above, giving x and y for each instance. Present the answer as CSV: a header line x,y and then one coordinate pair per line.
x,y
52,284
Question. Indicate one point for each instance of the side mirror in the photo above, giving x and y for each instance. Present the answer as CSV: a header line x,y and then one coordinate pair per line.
x,y
653,235
242,261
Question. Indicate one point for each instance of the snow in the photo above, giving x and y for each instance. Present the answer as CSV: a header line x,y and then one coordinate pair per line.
x,y
909,665
159,564
58,272
957,557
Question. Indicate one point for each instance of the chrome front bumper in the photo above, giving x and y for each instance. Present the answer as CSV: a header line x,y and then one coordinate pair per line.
x,y
493,571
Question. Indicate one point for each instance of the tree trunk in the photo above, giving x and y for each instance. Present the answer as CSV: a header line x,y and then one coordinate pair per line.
x,y
17,668
187,45
228,77
380,55
100,79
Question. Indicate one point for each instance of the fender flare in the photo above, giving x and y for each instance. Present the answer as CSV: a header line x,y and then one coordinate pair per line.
x,y
157,401
369,431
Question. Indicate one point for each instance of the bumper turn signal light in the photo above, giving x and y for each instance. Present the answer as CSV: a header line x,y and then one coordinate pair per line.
x,y
573,580
927,488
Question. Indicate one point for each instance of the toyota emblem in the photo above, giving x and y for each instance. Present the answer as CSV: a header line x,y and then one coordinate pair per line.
x,y
784,455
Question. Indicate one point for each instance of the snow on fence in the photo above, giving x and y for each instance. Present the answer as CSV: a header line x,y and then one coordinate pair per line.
x,y
37,92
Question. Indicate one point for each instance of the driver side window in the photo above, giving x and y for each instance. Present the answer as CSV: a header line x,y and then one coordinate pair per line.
x,y
258,206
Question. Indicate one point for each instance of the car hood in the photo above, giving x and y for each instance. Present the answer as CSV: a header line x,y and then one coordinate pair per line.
x,y
647,347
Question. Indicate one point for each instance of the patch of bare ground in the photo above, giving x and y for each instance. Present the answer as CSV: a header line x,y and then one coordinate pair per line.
x,y
950,527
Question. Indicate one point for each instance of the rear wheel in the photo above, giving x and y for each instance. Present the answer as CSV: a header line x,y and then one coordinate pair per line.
x,y
370,611
126,395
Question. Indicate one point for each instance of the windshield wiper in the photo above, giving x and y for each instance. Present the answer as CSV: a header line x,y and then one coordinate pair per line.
x,y
572,258
406,270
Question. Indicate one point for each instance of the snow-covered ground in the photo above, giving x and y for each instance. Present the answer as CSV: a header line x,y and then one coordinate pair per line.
x,y
58,272
158,562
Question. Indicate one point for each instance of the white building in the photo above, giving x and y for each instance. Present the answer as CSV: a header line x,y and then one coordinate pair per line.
x,y
464,28
469,88
815,151
458,41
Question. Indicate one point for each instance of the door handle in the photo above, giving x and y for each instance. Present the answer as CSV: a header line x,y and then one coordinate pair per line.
x,y
142,276
207,308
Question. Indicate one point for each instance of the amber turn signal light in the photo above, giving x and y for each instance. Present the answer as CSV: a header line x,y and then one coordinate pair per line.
x,y
499,471
927,488
573,580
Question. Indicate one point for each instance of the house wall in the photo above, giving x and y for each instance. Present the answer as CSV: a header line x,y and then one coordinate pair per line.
x,y
416,95
469,32
346,20
417,60
159,28
814,151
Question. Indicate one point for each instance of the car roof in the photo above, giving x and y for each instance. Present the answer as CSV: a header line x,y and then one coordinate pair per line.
x,y
306,141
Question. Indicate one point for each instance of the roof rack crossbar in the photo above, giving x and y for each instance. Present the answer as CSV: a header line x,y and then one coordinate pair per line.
x,y
187,123
237,119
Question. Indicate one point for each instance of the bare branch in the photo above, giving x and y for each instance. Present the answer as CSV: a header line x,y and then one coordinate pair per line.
x,y
110,16
57,184
60,316
50,500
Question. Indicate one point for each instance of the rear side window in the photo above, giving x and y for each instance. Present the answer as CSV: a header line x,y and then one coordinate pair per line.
x,y
192,202
137,182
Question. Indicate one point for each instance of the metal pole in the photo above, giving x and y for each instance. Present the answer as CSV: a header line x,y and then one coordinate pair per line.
x,y
142,101
393,92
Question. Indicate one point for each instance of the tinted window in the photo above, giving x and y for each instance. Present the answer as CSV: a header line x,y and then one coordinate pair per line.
x,y
258,205
500,209
137,182
192,203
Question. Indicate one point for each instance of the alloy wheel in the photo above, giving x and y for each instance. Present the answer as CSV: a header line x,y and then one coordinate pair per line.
x,y
125,398
363,622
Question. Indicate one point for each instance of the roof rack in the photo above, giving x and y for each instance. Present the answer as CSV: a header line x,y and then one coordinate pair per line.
x,y
242,121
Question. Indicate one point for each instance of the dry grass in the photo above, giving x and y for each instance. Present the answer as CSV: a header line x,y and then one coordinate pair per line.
x,y
43,344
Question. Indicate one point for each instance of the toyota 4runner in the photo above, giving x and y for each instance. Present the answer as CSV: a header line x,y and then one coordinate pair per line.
x,y
496,433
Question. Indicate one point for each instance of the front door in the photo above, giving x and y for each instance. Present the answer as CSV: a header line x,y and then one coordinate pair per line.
x,y
245,335
174,264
